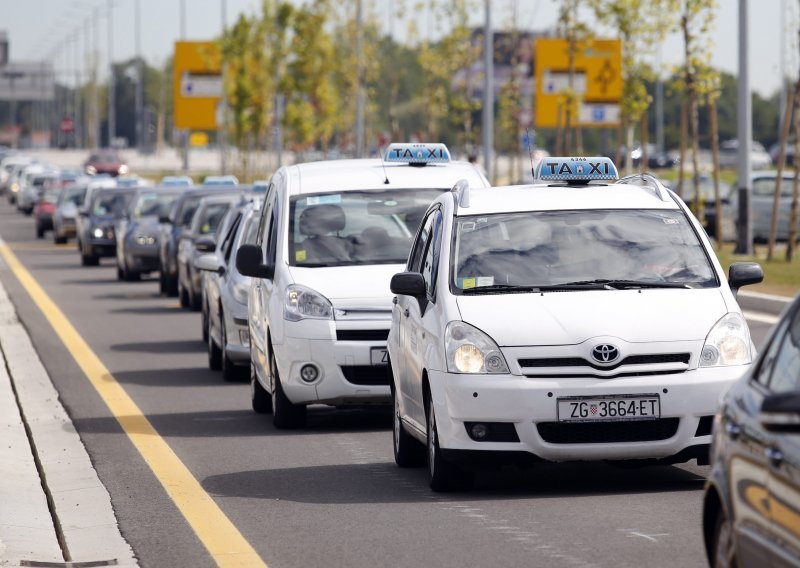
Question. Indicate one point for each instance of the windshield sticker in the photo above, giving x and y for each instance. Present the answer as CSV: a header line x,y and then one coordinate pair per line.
x,y
300,255
671,222
466,283
485,281
468,226
323,199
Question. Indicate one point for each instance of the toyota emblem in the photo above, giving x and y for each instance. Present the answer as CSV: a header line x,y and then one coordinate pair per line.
x,y
605,353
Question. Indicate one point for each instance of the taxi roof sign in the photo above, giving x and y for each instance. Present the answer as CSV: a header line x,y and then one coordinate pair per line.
x,y
417,154
577,169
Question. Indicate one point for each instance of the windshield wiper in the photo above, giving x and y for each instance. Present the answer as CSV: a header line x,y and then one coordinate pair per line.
x,y
508,288
622,284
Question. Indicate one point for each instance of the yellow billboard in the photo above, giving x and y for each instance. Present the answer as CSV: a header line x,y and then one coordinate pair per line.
x,y
196,85
596,82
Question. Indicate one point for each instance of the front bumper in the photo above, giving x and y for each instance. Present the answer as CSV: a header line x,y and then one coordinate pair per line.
x,y
346,373
142,258
530,404
102,247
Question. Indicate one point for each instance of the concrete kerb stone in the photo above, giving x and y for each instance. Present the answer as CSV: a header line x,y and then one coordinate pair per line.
x,y
765,303
81,504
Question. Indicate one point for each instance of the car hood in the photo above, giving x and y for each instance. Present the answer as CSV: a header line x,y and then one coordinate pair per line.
x,y
350,286
569,318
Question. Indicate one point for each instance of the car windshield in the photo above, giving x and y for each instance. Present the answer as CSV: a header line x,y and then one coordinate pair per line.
x,y
211,218
598,248
105,158
355,227
188,207
74,194
153,204
110,203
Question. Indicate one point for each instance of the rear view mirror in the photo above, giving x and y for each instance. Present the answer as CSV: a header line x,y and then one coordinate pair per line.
x,y
408,284
744,273
209,263
249,262
781,412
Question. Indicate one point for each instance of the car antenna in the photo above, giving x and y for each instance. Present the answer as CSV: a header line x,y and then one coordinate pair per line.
x,y
383,165
530,150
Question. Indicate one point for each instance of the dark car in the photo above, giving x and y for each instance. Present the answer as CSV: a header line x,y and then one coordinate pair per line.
x,y
207,218
97,237
105,162
137,232
751,506
171,227
44,209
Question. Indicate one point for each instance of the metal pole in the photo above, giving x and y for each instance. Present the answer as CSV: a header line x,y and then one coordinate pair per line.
x,y
744,131
360,79
112,112
78,132
139,75
782,73
96,73
185,133
222,129
488,92
659,104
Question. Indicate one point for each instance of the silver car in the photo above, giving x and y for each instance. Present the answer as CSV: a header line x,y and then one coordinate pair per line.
x,y
763,190
225,296
70,201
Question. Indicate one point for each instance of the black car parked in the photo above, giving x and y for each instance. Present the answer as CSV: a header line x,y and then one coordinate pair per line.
x,y
751,509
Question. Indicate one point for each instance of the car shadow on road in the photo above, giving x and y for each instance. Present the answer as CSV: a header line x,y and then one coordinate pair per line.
x,y
152,310
174,346
384,482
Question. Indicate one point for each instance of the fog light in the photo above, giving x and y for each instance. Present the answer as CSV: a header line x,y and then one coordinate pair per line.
x,y
709,356
244,337
309,373
479,432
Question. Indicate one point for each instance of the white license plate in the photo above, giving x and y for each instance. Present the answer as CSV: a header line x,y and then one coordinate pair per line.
x,y
379,356
609,408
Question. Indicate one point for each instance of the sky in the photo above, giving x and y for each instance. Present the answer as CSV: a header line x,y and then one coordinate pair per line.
x,y
37,29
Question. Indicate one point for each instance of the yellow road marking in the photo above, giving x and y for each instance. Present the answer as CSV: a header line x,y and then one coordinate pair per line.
x,y
222,539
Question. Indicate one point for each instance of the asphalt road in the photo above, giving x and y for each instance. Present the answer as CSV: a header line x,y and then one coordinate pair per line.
x,y
329,495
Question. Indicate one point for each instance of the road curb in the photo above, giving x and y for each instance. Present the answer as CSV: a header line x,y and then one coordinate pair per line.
x,y
765,303
80,513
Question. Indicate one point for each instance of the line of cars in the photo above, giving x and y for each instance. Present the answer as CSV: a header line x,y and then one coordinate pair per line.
x,y
578,318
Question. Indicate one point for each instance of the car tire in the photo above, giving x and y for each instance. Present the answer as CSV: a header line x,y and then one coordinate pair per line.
x,y
723,550
260,398
162,284
131,276
205,321
214,354
184,295
59,240
172,286
408,452
195,300
89,260
120,273
39,231
285,414
443,476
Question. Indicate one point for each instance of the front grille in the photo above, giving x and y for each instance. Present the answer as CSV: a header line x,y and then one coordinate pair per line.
x,y
362,334
657,359
368,375
608,432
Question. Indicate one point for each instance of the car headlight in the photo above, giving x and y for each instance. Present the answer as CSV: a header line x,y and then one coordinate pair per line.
x,y
305,303
469,350
143,240
97,233
91,170
728,343
123,169
14,188
240,289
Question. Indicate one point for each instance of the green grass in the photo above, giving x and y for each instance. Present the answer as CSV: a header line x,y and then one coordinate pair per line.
x,y
780,277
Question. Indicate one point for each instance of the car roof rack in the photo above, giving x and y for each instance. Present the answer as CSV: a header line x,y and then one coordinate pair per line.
x,y
649,182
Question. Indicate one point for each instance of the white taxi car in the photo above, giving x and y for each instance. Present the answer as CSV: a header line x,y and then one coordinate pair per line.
x,y
330,236
573,319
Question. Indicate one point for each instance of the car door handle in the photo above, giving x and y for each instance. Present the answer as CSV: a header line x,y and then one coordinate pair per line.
x,y
733,430
406,312
775,457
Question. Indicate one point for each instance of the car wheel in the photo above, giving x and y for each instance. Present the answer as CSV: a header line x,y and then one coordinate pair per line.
x,y
194,299
162,283
120,273
408,452
131,276
443,475
172,285
723,547
205,321
262,402
59,240
89,260
214,354
230,372
184,295
285,414
39,231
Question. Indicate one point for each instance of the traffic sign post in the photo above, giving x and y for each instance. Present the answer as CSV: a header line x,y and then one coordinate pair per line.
x,y
596,80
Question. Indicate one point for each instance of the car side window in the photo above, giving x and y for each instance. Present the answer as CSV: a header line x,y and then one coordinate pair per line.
x,y
762,374
786,369
272,243
418,250
227,244
431,257
262,220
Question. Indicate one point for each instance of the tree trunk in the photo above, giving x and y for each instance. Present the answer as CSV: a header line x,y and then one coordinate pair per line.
x,y
559,131
695,136
791,240
781,164
629,150
682,148
712,109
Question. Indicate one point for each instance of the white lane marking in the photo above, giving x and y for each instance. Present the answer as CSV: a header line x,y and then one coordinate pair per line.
x,y
650,537
761,317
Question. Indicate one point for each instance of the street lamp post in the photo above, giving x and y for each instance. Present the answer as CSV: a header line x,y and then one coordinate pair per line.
x,y
488,92
744,131
112,112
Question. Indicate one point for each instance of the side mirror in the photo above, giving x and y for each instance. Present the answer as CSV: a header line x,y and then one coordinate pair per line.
x,y
83,212
164,219
744,273
781,412
408,284
209,263
205,244
249,262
